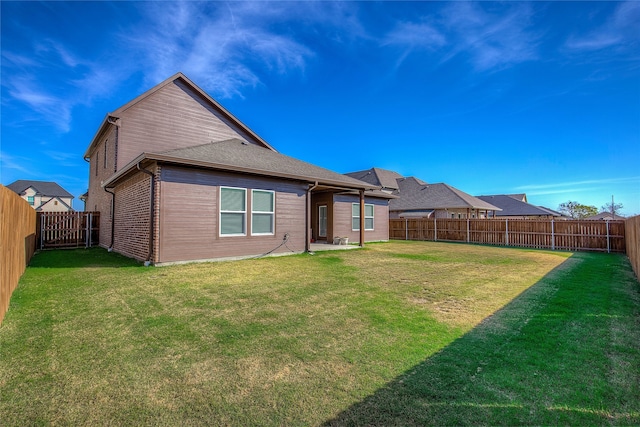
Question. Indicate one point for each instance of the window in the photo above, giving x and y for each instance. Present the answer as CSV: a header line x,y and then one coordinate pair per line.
x,y
31,200
233,211
97,162
355,216
105,153
262,212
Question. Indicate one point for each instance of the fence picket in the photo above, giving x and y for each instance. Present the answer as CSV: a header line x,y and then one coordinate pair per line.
x,y
572,235
67,229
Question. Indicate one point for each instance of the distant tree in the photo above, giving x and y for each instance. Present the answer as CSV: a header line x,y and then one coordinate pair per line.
x,y
613,208
577,210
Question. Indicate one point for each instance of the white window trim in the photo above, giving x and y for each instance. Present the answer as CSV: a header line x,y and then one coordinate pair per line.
x,y
272,213
373,222
221,234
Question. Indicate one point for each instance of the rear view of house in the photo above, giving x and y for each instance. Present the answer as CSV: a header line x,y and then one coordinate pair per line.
x,y
177,178
43,196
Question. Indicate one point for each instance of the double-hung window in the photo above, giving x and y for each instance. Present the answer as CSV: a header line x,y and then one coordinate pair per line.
x,y
233,211
355,216
31,200
262,212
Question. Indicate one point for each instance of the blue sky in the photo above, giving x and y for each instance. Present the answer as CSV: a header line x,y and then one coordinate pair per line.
x,y
491,98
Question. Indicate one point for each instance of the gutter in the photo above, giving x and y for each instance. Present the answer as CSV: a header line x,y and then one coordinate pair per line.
x,y
232,168
151,212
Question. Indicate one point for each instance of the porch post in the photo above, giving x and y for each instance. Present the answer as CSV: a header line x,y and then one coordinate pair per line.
x,y
361,218
307,225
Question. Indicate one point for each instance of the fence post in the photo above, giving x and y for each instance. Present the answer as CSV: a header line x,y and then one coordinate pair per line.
x,y
608,239
468,228
87,237
435,228
406,229
41,231
506,225
553,237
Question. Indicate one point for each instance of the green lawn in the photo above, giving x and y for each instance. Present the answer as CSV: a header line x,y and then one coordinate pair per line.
x,y
400,333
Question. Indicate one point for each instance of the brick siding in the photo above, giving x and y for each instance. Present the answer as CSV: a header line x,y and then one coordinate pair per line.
x,y
132,216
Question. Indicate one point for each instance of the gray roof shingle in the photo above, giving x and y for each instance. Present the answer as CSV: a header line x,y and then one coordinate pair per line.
x,y
514,207
44,188
380,177
417,194
238,156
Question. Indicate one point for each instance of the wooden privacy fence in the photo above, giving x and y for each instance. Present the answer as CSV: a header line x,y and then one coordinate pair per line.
x,y
573,235
67,229
17,242
632,233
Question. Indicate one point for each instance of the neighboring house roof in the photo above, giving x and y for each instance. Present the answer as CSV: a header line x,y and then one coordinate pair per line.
x,y
512,206
235,155
382,178
43,188
555,213
417,194
416,214
604,216
231,120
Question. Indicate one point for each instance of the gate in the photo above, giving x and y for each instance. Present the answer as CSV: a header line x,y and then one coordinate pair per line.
x,y
67,229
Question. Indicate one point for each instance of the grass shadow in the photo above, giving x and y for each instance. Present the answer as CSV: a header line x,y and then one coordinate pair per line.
x,y
81,258
565,351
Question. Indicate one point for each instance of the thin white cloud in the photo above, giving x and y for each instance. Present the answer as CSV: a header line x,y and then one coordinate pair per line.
x,y
491,41
49,106
13,164
224,48
619,31
619,180
464,29
590,185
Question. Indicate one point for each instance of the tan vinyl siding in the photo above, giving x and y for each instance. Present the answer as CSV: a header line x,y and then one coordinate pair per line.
x,y
342,216
173,117
189,215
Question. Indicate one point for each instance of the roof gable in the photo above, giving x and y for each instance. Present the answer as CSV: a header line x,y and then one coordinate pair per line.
x,y
202,96
53,199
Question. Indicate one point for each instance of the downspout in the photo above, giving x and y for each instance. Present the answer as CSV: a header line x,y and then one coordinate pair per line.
x,y
151,213
362,222
113,217
307,237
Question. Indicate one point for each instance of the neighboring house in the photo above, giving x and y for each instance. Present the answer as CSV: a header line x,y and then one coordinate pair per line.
x,y
43,196
420,199
417,199
605,216
177,178
514,206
